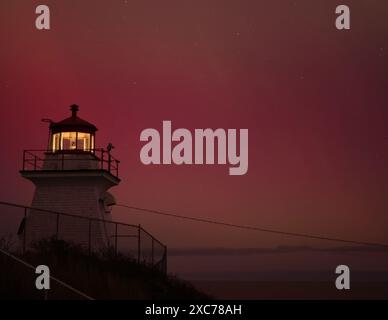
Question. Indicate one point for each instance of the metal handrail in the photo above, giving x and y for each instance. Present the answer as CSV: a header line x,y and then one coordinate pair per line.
x,y
32,160
140,229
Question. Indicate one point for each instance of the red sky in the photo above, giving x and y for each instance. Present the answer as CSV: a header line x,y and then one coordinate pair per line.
x,y
313,98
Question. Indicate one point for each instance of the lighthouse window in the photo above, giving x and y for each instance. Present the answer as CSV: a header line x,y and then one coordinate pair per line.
x,y
73,141
56,140
68,141
83,141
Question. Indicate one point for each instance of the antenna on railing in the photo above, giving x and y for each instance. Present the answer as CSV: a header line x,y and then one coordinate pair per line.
x,y
110,147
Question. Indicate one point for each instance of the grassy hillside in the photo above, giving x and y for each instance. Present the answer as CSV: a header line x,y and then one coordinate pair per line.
x,y
100,275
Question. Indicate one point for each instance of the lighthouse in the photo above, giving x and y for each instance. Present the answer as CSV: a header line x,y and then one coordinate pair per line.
x,y
71,176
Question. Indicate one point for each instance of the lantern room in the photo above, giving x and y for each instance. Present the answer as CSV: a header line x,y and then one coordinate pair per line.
x,y
71,147
72,134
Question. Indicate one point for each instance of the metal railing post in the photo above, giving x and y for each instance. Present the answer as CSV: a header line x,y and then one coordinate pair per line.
x,y
102,159
34,163
165,259
25,231
116,240
152,251
138,244
57,231
90,237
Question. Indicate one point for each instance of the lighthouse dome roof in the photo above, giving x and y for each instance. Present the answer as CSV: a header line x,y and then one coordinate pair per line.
x,y
73,123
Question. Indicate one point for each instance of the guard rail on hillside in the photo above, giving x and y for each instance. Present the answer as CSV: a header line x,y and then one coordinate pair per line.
x,y
127,239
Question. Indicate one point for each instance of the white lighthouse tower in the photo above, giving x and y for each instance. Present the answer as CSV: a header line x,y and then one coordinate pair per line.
x,y
71,176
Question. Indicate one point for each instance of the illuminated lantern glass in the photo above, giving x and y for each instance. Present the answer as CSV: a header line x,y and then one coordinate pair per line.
x,y
72,134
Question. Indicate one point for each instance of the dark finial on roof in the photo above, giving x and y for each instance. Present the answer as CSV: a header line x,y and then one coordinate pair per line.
x,y
74,108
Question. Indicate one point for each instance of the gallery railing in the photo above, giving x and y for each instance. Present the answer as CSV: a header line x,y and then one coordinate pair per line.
x,y
91,233
94,159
